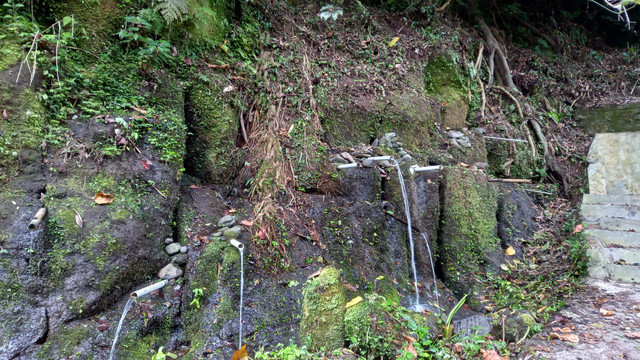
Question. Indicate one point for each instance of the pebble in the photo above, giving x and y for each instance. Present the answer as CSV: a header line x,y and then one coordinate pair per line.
x,y
218,234
455,134
337,159
367,163
177,287
227,221
172,248
196,243
387,139
222,238
406,158
348,157
183,249
375,142
170,272
402,153
384,163
168,241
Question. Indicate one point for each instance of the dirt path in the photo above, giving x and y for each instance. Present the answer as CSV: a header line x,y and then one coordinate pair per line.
x,y
600,337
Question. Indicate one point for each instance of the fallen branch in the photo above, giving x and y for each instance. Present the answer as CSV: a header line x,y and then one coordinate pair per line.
x,y
512,181
441,8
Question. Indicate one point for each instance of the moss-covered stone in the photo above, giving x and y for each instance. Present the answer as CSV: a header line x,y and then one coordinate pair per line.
x,y
514,324
444,81
468,242
63,344
323,310
97,21
213,122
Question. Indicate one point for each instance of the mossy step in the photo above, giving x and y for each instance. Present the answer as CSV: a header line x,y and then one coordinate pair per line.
x,y
619,238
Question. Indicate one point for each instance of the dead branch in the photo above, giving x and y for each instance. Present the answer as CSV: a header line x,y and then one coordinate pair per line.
x,y
441,8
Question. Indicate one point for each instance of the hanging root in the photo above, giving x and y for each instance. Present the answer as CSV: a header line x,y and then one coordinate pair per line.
x,y
497,57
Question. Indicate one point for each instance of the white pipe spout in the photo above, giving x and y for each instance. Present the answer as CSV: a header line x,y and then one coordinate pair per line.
x,y
237,244
415,168
381,158
147,290
348,166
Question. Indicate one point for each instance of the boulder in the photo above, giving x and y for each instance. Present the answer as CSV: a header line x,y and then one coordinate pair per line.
x,y
513,325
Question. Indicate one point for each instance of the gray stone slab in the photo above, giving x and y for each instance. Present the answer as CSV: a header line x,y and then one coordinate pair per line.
x,y
618,238
611,199
617,154
597,211
608,223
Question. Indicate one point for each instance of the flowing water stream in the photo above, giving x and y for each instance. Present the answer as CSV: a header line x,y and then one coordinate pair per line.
x,y
425,236
410,231
124,314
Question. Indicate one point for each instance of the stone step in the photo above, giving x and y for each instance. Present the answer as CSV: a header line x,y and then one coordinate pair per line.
x,y
618,238
615,224
600,266
596,211
632,200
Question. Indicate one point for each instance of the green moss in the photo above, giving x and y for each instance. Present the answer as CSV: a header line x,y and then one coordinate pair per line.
x,y
369,329
213,123
411,116
77,305
444,81
468,232
323,310
10,53
96,20
133,346
64,343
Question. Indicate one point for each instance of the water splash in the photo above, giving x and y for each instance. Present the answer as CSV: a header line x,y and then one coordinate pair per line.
x,y
425,236
124,314
407,212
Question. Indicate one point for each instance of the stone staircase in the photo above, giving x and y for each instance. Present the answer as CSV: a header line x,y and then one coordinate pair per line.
x,y
612,210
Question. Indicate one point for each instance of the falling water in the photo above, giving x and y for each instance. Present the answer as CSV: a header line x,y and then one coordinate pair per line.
x,y
241,249
409,230
425,236
124,314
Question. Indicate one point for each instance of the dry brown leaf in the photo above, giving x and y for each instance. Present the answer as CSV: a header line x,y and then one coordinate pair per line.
x,y
566,337
409,338
103,199
562,330
315,274
351,287
4,114
78,219
606,312
489,355
241,354
410,349
632,335
510,251
246,223
578,228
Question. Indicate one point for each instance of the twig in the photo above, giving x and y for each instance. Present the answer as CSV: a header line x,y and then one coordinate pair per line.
x,y
538,192
159,192
441,8
484,98
242,127
58,47
512,181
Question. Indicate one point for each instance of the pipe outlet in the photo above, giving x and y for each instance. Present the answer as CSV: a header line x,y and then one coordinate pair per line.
x,y
37,218
146,290
348,166
416,168
381,158
237,244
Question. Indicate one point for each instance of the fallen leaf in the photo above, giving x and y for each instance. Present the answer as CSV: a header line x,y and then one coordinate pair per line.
x,y
139,110
409,338
103,327
246,223
315,274
4,114
351,287
241,354
394,41
489,355
411,349
103,199
457,347
578,228
510,251
355,301
194,186
78,219
262,233
145,165
632,335
606,312
562,330
566,337
380,277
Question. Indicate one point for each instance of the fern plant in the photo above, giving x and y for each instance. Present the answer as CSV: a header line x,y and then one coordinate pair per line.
x,y
172,10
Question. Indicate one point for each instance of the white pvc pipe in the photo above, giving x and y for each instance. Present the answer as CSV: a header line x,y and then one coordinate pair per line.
x,y
348,166
146,290
416,168
237,244
381,158
37,218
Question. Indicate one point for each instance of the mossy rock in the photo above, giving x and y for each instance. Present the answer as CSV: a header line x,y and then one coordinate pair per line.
x,y
514,325
97,21
445,82
468,244
323,310
350,124
213,122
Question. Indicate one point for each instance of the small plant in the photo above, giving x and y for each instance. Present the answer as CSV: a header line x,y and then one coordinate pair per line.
x,y
197,296
447,329
162,355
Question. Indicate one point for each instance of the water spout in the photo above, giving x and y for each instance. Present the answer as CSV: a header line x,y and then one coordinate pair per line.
x,y
240,248
134,295
415,168
409,230
37,218
348,166
381,158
